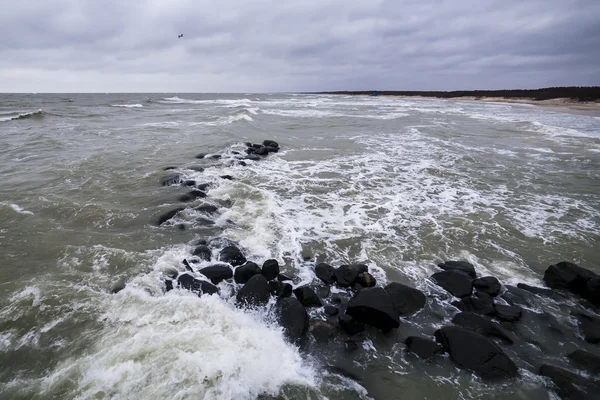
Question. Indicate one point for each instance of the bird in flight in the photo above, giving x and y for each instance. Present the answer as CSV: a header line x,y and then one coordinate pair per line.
x,y
180,36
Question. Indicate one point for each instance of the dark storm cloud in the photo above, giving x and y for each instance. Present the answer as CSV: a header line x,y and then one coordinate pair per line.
x,y
264,45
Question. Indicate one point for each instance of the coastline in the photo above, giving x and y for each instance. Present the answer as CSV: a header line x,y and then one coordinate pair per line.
x,y
565,105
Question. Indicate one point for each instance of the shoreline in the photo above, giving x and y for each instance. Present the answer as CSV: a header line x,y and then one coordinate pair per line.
x,y
564,105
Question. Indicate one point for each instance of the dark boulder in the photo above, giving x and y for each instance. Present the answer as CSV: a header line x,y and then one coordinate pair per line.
x,y
187,265
189,182
207,208
585,360
168,215
271,149
171,179
481,304
252,157
516,296
326,273
569,385
262,151
345,275
188,282
592,291
169,168
365,279
480,324
270,143
456,282
280,289
537,290
203,252
208,288
196,168
590,327
217,273
255,292
257,145
243,273
568,276
216,156
422,347
322,331
463,266
270,269
474,351
201,155
232,255
283,277
293,318
192,195
307,297
203,186
350,325
227,177
373,306
508,313
323,291
168,285
488,284
406,300
203,221
331,311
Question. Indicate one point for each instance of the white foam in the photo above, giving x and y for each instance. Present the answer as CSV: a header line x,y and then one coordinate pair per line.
x,y
21,115
17,208
127,105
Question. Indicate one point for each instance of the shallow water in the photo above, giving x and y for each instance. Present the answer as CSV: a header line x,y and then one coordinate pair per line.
x,y
400,184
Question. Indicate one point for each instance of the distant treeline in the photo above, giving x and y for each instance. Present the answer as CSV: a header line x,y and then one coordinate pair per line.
x,y
581,93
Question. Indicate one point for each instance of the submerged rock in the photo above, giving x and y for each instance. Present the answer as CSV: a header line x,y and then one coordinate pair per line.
x,y
462,266
456,282
474,351
373,306
406,300
325,273
243,273
322,331
293,318
217,273
590,327
191,196
307,297
422,347
480,304
488,284
480,324
569,385
171,179
270,269
350,325
252,157
585,360
169,214
331,311
203,252
207,208
232,255
508,313
256,292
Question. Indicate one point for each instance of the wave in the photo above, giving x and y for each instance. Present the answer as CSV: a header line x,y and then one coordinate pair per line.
x,y
17,208
31,114
226,120
127,105
230,102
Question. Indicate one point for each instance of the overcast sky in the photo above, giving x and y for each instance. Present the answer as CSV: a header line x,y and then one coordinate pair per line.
x,y
296,45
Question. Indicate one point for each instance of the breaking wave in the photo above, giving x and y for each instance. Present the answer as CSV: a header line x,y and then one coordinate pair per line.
x,y
31,114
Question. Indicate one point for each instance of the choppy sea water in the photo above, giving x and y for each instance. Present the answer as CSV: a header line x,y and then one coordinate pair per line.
x,y
399,184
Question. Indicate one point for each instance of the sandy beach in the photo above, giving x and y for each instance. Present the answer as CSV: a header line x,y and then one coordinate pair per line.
x,y
565,105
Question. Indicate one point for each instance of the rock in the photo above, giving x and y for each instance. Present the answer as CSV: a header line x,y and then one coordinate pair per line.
x,y
322,331
350,325
422,347
257,145
227,177
365,280
592,291
255,292
168,285
282,278
187,265
456,282
293,318
196,168
569,385
262,151
243,273
203,221
463,266
232,255
373,306
536,290
513,295
252,157
270,143
280,289
272,149
208,288
207,208
201,155
331,311
270,269
188,282
307,297
585,360
406,300
590,327
488,284
250,150
168,215
169,168
345,275
189,182
336,300
171,179
474,351
117,287
325,273
203,252
191,196
217,273
480,324
568,276
481,304
203,186
215,156
243,164
323,291
508,313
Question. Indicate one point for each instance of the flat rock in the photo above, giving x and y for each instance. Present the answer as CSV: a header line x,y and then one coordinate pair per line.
x,y
169,214
480,324
373,306
255,292
217,273
270,269
508,313
422,347
585,360
232,255
455,282
406,300
569,385
293,318
488,284
307,297
325,273
242,274
481,304
345,275
463,266
475,352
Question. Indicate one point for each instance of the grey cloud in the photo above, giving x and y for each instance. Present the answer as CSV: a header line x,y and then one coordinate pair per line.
x,y
297,45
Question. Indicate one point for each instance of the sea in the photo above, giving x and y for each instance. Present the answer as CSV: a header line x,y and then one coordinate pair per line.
x,y
399,184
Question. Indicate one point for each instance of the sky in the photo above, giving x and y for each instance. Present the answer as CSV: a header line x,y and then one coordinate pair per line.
x,y
296,45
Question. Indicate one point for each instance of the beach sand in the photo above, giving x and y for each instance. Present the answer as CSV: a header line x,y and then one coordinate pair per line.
x,y
564,105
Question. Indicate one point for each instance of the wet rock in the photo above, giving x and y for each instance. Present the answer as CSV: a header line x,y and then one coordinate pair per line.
x,y
515,296
203,252
270,143
188,282
293,318
196,168
585,360
331,311
232,255
207,208
569,385
590,327
227,177
322,331
191,196
203,186
325,273
373,306
252,157
203,221
189,182
243,164
171,179
169,168
243,273
307,297
187,265
117,287
201,155
481,304
336,300
365,279
480,324
536,290
280,289
283,277
208,288
508,313
323,291
488,284
456,282
592,291
406,300
422,347
215,156
168,285
257,145
270,269
217,273
463,266
255,292
345,275
169,214
568,276
272,149
262,151
474,351
350,325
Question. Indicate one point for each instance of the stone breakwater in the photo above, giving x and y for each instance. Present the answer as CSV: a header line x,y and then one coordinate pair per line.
x,y
492,325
